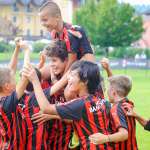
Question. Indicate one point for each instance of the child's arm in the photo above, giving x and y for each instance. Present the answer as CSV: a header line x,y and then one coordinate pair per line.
x,y
131,112
105,64
21,86
72,57
99,138
14,58
44,105
59,84
40,117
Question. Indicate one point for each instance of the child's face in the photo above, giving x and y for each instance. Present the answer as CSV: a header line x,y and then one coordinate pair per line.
x,y
50,23
58,66
74,82
110,93
69,94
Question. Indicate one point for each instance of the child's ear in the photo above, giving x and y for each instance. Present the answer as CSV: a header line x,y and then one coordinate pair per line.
x,y
115,93
84,83
6,87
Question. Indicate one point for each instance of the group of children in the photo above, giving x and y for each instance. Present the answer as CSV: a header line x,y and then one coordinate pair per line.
x,y
60,105
39,113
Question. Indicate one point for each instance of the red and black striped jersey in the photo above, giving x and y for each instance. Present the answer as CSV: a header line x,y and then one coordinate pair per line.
x,y
10,128
61,131
79,45
120,120
90,115
35,135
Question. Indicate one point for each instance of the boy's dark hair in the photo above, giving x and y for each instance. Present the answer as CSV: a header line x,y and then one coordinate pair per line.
x,y
121,83
29,87
5,76
88,72
56,48
51,7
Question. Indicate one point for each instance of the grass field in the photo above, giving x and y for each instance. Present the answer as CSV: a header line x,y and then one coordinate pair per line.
x,y
140,95
7,56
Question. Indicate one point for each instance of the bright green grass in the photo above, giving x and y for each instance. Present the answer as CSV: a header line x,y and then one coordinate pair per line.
x,y
7,56
140,95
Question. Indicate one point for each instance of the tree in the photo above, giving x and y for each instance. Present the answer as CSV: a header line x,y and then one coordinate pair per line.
x,y
109,23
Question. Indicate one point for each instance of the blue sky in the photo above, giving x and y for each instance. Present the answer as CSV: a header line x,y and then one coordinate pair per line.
x,y
136,2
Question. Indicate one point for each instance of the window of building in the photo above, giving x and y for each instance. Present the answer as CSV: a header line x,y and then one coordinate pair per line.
x,y
28,32
28,8
14,19
41,33
28,19
14,7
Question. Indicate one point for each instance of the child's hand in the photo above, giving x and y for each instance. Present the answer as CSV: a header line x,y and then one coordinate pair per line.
x,y
42,60
105,63
130,109
20,43
17,42
29,72
53,76
98,138
40,117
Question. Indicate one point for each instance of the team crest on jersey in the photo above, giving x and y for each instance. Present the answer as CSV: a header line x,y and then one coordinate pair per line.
x,y
97,106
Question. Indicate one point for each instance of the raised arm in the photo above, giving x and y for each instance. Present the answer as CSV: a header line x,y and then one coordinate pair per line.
x,y
21,86
43,102
105,64
14,58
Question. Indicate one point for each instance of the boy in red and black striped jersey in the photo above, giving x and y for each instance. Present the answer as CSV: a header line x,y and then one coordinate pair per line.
x,y
89,112
78,46
123,127
75,37
60,131
9,97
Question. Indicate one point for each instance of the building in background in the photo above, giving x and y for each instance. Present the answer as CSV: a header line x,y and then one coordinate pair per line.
x,y
24,15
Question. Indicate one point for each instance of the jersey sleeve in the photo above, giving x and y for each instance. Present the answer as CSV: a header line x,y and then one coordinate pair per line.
x,y
33,99
147,126
74,43
10,103
80,44
118,117
71,110
84,43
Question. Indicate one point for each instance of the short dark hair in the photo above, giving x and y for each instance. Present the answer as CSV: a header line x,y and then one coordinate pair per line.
x,y
52,7
29,87
56,48
88,72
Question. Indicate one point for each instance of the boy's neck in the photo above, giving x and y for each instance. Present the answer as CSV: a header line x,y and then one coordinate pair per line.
x,y
60,27
3,94
83,92
118,99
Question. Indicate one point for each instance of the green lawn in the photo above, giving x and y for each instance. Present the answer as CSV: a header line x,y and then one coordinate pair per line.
x,y
7,56
140,96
